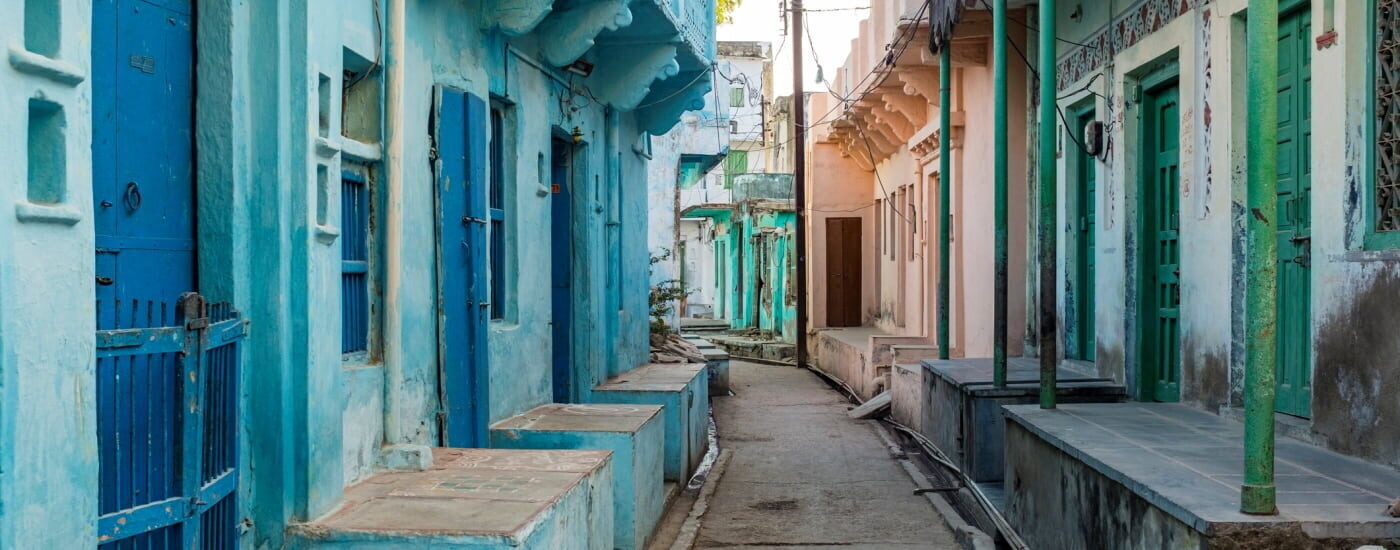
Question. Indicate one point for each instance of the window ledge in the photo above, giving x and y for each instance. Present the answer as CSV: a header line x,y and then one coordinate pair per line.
x,y
29,212
327,234
359,150
326,147
52,69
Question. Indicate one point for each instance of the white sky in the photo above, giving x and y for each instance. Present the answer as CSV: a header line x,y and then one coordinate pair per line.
x,y
832,33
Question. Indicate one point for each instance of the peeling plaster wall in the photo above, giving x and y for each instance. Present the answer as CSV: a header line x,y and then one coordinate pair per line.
x,y
310,425
698,133
48,389
520,376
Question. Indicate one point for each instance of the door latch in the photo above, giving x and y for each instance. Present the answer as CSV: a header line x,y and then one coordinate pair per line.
x,y
132,197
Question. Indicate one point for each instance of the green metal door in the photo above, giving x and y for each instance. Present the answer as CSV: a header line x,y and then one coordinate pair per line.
x,y
1083,343
1294,212
1160,279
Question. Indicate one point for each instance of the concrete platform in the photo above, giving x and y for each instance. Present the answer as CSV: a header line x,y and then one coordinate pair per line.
x,y
634,435
1137,475
696,324
716,362
683,392
477,499
955,404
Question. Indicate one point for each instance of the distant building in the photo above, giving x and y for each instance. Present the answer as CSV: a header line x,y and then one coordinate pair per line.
x,y
873,186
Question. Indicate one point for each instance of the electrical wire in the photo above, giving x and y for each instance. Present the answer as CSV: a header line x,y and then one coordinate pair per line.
x,y
871,151
1031,67
678,92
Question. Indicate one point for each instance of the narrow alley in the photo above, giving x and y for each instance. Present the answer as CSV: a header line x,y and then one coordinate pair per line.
x,y
801,473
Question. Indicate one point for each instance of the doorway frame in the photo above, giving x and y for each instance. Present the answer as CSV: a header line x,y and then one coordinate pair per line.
x,y
1159,74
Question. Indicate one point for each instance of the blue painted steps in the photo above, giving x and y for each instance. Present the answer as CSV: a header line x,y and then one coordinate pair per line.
x,y
683,390
633,433
476,499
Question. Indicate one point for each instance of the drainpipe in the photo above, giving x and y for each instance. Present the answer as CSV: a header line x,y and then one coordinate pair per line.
x,y
945,149
1049,350
1261,306
1000,136
394,166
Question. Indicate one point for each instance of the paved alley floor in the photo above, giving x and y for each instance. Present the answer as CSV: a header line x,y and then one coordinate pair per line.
x,y
804,475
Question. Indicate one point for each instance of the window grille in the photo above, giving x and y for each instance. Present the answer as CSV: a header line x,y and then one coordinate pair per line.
x,y
1387,90
354,261
498,214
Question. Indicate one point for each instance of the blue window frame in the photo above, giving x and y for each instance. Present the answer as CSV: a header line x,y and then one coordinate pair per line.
x,y
355,288
497,213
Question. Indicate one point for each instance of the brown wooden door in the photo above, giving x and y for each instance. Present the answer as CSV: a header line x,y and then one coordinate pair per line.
x,y
843,254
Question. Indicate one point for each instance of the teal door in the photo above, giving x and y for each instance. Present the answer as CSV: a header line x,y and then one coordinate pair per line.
x,y
1294,211
1159,294
1082,342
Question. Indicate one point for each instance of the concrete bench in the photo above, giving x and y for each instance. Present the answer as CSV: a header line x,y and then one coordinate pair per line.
x,y
477,499
959,408
634,435
683,391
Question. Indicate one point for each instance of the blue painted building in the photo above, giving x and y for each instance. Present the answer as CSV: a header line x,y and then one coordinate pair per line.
x,y
261,252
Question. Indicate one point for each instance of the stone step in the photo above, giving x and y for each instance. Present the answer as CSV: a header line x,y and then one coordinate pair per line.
x,y
716,361
633,433
477,499
683,391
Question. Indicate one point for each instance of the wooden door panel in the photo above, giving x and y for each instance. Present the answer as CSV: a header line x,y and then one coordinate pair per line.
x,y
843,274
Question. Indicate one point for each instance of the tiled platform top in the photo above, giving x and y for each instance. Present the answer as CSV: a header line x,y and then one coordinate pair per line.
x,y
672,377
1021,373
467,492
582,418
1189,463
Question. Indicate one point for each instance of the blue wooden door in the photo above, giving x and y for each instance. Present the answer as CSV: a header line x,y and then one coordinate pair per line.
x,y
561,269
166,366
460,131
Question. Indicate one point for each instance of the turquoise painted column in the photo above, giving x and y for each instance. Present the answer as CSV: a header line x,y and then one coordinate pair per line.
x,y
1261,304
945,215
1047,222
999,139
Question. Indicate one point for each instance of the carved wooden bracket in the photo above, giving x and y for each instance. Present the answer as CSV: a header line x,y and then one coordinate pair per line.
x,y
630,71
921,82
567,34
514,17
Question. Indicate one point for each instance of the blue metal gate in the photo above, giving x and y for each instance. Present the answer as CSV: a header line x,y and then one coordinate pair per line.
x,y
167,427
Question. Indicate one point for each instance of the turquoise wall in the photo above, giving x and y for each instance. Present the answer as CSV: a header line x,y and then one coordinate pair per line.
x,y
313,423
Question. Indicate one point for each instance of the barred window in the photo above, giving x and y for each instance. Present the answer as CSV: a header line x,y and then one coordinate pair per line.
x,y
356,245
1387,122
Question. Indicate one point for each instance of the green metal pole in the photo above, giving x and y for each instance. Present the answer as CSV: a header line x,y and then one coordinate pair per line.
x,y
1261,302
945,215
999,139
1049,349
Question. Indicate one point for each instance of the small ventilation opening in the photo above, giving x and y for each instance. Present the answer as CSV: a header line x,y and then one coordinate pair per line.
x,y
47,152
41,26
